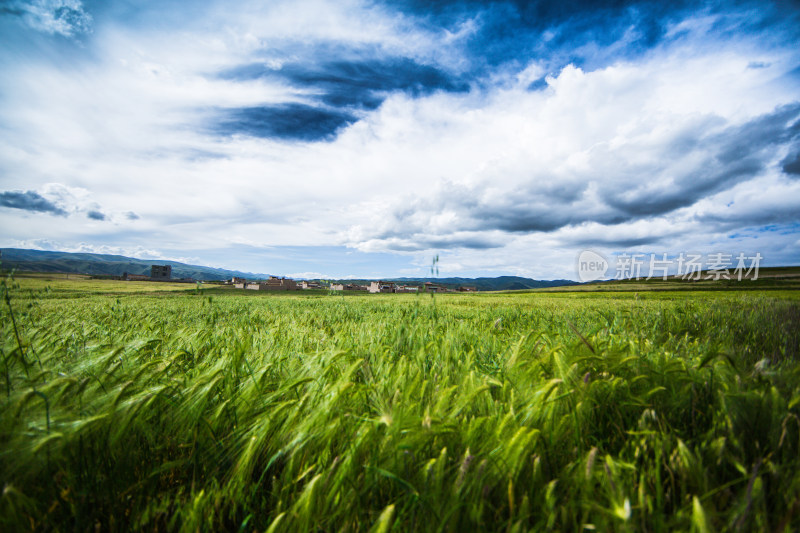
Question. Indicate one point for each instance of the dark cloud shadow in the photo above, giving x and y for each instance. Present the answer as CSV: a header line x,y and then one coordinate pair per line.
x,y
356,84
791,165
618,242
732,156
420,242
30,201
293,122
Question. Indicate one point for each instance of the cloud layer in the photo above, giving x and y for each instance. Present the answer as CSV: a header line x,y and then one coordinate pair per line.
x,y
504,135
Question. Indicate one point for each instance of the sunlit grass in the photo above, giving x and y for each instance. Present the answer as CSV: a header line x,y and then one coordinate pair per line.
x,y
83,285
203,411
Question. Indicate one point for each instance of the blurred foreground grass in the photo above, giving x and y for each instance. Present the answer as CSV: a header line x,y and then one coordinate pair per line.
x,y
194,411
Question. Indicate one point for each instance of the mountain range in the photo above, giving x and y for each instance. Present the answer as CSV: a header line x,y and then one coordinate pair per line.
x,y
117,265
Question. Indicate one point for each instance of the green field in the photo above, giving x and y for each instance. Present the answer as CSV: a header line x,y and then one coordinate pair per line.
x,y
160,407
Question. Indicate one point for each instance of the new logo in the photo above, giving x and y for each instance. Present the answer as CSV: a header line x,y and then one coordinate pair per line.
x,y
591,266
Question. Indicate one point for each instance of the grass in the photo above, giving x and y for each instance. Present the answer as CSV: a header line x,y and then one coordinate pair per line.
x,y
81,285
191,410
769,278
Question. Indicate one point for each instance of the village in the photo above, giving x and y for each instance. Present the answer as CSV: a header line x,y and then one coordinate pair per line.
x,y
275,283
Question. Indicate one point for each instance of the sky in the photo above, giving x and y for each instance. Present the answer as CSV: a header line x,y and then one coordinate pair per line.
x,y
349,138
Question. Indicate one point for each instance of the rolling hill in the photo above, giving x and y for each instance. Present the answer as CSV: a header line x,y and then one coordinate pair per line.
x,y
117,265
108,265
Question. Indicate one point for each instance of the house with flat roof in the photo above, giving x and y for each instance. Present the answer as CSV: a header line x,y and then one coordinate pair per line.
x,y
160,272
275,283
381,286
407,288
430,287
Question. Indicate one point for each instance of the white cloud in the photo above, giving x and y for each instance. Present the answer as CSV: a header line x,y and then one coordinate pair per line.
x,y
611,132
63,17
123,131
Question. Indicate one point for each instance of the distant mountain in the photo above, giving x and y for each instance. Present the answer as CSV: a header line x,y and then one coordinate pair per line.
x,y
116,265
109,265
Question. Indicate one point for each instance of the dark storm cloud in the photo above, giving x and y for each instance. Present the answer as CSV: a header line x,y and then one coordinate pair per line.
x,y
691,166
617,242
474,243
791,165
731,157
732,219
340,90
294,122
682,192
360,84
559,33
95,215
552,31
421,241
543,205
520,215
519,211
30,201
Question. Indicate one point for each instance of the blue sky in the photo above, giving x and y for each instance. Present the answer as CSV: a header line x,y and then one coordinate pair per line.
x,y
363,138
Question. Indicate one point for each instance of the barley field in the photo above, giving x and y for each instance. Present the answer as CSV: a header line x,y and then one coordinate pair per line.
x,y
189,409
